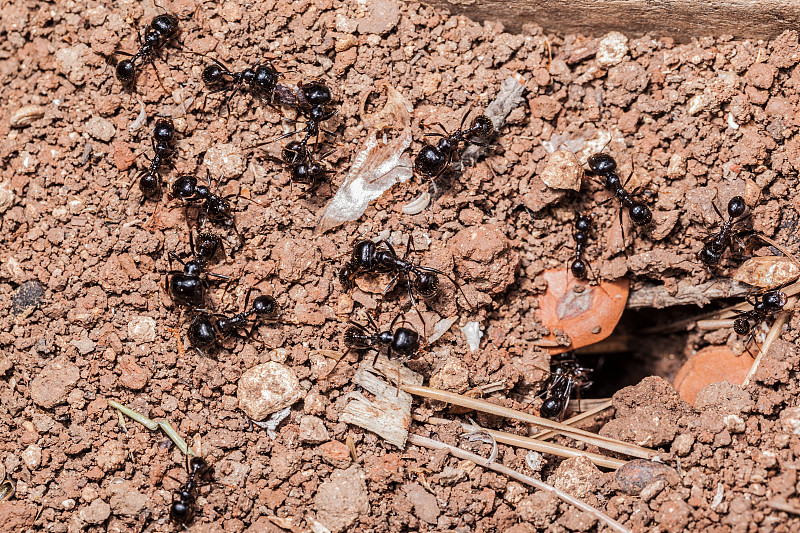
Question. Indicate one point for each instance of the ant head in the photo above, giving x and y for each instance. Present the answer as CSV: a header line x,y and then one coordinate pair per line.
x,y
294,153
203,336
551,408
216,205
213,74
482,127
126,71
774,299
736,207
602,164
184,187
166,25
265,305
164,130
405,342
266,77
364,254
316,93
579,269
429,161
640,214
427,284
741,326
708,256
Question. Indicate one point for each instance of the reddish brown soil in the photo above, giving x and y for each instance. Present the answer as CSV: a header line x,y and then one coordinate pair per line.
x,y
73,227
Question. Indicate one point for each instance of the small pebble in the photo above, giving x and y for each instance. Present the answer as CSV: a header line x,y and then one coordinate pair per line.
x,y
95,513
29,294
142,329
635,475
335,453
312,429
267,388
7,196
101,129
611,49
563,171
653,489
342,499
682,445
790,420
452,376
32,456
54,383
224,161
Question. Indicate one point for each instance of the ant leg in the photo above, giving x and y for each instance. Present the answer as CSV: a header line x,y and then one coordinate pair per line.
x,y
622,231
452,280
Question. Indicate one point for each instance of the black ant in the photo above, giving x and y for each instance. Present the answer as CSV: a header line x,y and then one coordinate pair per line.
x,y
432,161
369,257
716,244
403,341
259,80
747,321
304,167
161,29
567,375
206,329
603,165
182,509
213,207
208,246
163,135
187,287
579,267
316,109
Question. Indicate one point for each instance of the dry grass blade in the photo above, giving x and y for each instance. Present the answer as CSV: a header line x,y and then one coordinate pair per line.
x,y
497,467
774,333
577,434
536,445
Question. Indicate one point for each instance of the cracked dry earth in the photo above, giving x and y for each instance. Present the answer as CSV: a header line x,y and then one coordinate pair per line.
x,y
87,320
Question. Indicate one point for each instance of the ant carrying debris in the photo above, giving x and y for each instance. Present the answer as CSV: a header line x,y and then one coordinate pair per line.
x,y
206,330
717,243
316,109
149,180
369,257
403,341
212,207
304,167
182,509
432,161
187,287
603,165
161,29
747,321
260,80
568,375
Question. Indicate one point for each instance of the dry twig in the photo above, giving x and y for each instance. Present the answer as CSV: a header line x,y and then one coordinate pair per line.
x,y
497,467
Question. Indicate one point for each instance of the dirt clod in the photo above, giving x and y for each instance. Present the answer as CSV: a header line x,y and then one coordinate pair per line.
x,y
342,499
54,383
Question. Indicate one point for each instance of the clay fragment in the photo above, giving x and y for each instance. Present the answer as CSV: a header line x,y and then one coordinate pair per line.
x,y
586,313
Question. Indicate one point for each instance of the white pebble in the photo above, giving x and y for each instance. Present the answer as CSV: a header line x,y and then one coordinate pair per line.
x,y
611,49
142,329
32,456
